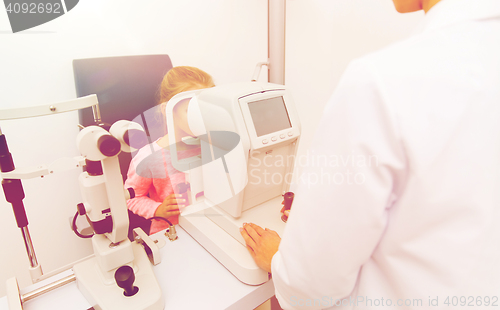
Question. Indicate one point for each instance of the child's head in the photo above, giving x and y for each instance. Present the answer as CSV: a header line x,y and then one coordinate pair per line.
x,y
178,80
181,79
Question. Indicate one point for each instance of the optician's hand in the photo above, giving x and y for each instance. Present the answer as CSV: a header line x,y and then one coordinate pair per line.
x,y
170,206
261,243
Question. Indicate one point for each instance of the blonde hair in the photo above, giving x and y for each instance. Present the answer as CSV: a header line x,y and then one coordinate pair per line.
x,y
180,79
183,78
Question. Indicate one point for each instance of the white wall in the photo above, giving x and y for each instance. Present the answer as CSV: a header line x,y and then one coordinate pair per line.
x,y
323,36
223,37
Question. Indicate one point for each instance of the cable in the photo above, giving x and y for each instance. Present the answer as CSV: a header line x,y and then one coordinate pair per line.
x,y
161,219
75,229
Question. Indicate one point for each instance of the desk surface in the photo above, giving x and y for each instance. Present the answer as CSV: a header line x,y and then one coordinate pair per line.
x,y
189,276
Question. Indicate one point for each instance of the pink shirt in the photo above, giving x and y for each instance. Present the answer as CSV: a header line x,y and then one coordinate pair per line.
x,y
153,178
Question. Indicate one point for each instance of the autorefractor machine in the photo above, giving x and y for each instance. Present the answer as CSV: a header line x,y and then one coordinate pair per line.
x,y
248,135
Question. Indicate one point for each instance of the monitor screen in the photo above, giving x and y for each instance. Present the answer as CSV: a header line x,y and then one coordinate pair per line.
x,y
269,115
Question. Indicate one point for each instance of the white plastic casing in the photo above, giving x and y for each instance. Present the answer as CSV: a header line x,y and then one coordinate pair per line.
x,y
87,141
240,194
120,128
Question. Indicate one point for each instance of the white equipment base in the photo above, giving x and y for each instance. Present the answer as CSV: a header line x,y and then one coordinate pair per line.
x,y
102,296
223,239
13,295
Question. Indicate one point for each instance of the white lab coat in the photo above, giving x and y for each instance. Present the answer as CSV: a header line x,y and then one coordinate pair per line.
x,y
401,197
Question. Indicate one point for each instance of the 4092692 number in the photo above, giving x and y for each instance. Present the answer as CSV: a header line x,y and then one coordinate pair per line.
x,y
472,301
34,8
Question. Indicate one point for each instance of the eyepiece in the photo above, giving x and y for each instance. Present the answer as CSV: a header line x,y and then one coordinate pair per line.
x,y
135,138
109,145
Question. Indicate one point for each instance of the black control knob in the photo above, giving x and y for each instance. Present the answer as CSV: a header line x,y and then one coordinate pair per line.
x,y
125,278
288,200
131,192
81,209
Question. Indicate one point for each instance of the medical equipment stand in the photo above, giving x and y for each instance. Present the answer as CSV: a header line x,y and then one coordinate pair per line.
x,y
116,258
14,194
112,248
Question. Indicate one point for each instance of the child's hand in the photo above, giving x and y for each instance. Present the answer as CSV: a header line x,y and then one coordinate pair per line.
x,y
170,206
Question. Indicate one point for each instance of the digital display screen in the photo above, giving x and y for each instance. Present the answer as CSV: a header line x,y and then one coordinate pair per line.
x,y
269,115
